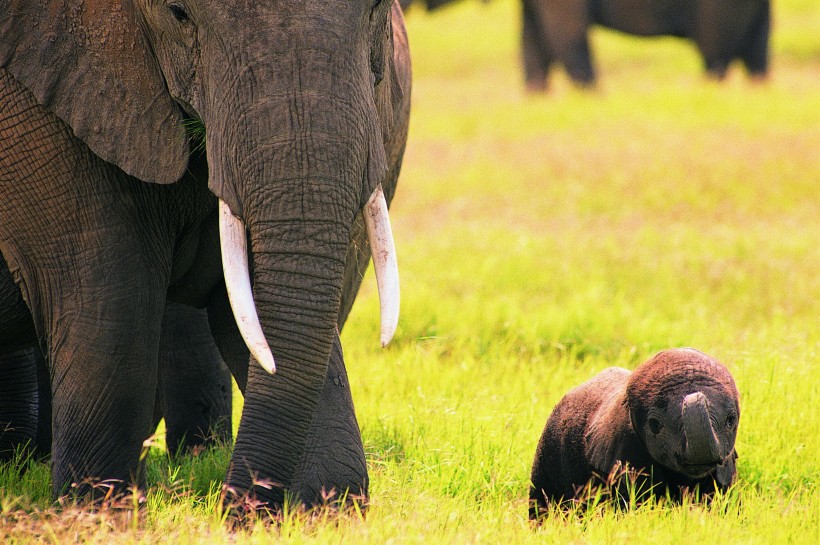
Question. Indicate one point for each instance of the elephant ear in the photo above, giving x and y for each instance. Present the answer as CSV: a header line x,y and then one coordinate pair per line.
x,y
603,433
390,63
89,63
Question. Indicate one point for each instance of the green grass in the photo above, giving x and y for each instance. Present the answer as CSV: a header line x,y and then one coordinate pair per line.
x,y
542,239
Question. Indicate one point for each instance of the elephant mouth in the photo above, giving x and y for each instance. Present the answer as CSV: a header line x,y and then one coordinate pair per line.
x,y
700,470
696,470
233,240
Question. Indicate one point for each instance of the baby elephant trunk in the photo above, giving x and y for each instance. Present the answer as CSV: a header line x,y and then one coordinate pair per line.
x,y
702,445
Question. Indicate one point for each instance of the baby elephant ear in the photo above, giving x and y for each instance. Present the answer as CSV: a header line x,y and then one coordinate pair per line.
x,y
88,62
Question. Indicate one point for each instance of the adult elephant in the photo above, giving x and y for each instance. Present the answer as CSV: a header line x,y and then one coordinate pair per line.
x,y
107,211
723,30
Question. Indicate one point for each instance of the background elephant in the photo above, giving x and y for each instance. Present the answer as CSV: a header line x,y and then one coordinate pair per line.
x,y
107,211
674,420
723,30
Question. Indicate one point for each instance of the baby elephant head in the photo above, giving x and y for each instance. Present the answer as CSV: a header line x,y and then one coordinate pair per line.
x,y
684,407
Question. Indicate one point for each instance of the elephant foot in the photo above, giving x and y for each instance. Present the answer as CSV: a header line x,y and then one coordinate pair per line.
x,y
111,495
758,78
536,87
244,510
716,71
584,82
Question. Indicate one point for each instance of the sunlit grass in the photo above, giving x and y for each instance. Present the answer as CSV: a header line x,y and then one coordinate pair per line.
x,y
542,239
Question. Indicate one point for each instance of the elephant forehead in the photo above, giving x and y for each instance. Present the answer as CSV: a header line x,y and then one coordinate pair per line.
x,y
679,372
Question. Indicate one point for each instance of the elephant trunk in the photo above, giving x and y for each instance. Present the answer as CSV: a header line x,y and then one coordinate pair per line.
x,y
237,275
702,444
297,193
296,292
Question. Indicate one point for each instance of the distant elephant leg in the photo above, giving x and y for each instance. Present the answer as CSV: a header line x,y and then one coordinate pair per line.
x,y
716,68
716,37
754,50
537,56
566,26
334,463
575,56
194,385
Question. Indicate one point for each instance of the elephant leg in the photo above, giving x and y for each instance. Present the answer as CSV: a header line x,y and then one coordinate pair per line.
x,y
227,338
92,256
575,56
103,383
716,36
25,386
42,439
18,402
565,27
716,68
194,385
754,50
333,465
536,53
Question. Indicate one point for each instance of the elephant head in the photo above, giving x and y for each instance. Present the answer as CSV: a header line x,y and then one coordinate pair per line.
x,y
299,102
684,407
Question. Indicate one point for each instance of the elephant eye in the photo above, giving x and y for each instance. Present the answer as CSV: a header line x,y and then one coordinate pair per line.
x,y
178,12
655,425
731,420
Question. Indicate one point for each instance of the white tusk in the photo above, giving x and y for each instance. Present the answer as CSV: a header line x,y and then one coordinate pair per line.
x,y
237,279
383,250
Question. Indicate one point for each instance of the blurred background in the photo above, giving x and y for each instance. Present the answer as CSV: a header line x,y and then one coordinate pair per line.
x,y
544,237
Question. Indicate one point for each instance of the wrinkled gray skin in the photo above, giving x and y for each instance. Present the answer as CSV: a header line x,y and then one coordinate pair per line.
x,y
674,419
106,212
193,389
723,30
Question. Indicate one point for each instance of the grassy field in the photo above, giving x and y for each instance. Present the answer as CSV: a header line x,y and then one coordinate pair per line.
x,y
541,240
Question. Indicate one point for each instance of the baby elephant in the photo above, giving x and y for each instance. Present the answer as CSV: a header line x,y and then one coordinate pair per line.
x,y
669,426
